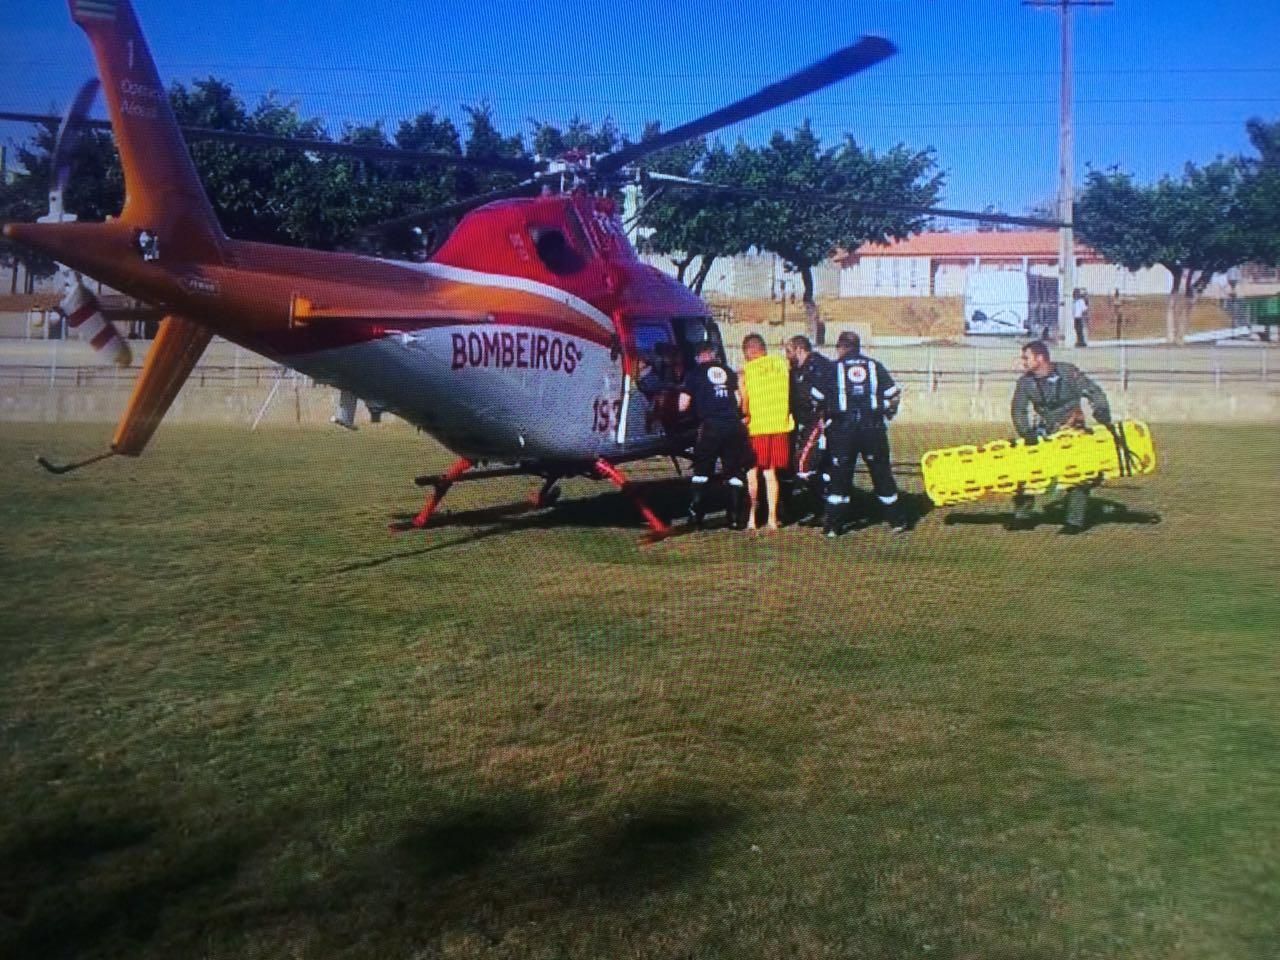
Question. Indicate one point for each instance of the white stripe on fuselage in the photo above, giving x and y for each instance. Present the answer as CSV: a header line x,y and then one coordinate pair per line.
x,y
480,279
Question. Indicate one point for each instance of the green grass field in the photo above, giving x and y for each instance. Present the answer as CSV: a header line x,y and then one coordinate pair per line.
x,y
241,720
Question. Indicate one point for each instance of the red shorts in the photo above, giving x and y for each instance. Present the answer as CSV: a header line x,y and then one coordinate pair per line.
x,y
772,450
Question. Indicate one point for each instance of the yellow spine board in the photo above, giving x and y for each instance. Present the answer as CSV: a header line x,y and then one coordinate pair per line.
x,y
1065,459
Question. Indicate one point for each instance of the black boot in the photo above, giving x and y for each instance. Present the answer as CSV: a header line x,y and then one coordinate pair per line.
x,y
737,509
832,517
896,514
697,511
804,507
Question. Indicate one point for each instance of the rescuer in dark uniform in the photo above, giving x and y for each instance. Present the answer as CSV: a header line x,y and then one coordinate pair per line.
x,y
810,374
1053,392
711,391
861,399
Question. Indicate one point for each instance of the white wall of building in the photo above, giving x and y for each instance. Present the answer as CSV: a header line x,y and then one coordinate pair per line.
x,y
753,276
886,277
1104,279
909,277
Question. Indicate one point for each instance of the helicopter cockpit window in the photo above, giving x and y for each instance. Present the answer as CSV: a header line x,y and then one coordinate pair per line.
x,y
555,251
696,331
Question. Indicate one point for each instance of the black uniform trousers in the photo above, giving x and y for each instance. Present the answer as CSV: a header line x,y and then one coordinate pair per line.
x,y
846,441
808,452
723,440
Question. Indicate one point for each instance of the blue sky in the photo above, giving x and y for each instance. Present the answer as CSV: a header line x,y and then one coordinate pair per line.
x,y
1157,84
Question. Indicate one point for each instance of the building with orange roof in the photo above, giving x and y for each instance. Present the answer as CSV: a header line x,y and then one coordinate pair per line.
x,y
940,264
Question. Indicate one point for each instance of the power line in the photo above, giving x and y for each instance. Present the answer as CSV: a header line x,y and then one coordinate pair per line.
x,y
383,70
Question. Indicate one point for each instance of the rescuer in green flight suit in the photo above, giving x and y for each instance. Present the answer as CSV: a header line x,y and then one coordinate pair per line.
x,y
1047,399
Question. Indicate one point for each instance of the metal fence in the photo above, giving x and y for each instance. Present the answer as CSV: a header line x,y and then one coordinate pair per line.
x,y
931,369
105,376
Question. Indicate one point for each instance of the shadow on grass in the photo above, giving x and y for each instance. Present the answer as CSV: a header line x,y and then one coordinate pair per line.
x,y
667,496
73,886
1101,511
865,510
498,863
660,843
609,509
512,844
463,840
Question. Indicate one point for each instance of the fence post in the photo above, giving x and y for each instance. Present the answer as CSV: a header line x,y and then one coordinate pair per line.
x,y
1124,368
1217,369
933,384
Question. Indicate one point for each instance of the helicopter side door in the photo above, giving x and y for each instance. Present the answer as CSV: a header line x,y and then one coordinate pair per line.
x,y
650,405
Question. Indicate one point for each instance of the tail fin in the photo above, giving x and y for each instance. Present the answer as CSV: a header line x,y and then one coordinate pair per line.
x,y
163,193
175,351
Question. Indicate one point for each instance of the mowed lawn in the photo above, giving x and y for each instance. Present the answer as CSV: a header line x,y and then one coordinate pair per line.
x,y
241,720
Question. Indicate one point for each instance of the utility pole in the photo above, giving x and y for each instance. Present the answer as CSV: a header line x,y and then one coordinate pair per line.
x,y
1066,165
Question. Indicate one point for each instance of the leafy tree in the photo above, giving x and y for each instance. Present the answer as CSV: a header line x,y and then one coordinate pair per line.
x,y
550,141
807,232
1214,217
1194,227
95,188
392,189
485,141
688,224
1265,138
484,138
1262,193
253,189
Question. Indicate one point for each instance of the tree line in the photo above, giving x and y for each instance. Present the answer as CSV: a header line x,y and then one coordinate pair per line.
x,y
324,201
1209,219
1213,217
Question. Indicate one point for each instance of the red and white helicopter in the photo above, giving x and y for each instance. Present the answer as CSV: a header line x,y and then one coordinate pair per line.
x,y
517,345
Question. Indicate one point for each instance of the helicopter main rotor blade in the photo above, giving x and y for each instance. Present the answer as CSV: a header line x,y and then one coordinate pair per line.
x,y
876,206
69,133
867,52
362,151
467,204
516,165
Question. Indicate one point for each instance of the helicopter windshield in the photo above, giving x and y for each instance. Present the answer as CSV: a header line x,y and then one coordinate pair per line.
x,y
694,332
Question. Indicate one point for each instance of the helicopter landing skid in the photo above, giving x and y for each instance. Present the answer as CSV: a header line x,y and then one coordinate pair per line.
x,y
657,529
461,470
545,496
439,487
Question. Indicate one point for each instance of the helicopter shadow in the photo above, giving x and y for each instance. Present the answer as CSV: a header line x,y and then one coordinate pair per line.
x,y
607,509
442,871
1101,511
666,496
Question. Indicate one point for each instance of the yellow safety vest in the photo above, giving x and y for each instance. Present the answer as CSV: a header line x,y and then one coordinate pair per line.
x,y
766,381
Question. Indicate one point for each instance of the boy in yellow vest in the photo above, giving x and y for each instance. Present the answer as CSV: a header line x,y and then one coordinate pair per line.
x,y
766,385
